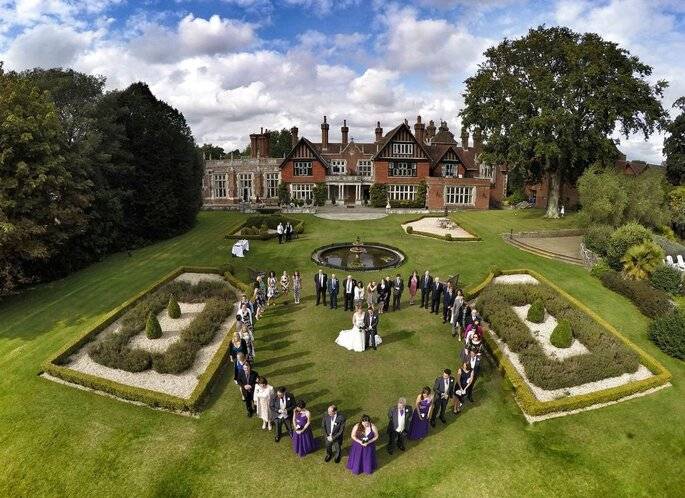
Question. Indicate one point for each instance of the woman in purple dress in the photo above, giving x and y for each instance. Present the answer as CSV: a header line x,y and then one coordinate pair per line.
x,y
418,427
363,449
303,438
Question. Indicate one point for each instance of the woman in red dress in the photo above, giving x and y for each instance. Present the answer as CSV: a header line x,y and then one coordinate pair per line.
x,y
413,284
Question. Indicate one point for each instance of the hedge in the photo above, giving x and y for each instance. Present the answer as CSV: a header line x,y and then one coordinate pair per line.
x,y
668,333
271,221
525,396
650,301
54,365
410,230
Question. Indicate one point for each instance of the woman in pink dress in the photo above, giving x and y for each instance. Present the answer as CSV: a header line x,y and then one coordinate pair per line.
x,y
413,284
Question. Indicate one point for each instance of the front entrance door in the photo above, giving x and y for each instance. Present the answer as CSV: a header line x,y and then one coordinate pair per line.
x,y
350,194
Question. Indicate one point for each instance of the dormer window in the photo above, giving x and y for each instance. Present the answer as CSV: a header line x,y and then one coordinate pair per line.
x,y
402,148
449,170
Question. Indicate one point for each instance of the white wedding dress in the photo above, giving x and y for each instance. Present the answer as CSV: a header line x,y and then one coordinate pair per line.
x,y
353,339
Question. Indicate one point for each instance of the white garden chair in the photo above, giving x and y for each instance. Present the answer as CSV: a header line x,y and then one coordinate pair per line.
x,y
681,262
670,262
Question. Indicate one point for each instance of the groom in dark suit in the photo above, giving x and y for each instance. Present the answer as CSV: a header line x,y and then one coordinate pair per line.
x,y
333,425
444,390
282,406
370,328
398,424
397,288
247,379
438,289
348,289
321,285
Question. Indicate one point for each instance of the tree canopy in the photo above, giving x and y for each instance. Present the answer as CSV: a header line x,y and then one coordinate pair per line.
x,y
674,146
549,103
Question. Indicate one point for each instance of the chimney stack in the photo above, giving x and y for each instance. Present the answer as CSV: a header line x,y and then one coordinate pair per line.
x,y
419,130
293,135
478,140
253,145
430,130
344,130
324,134
379,132
464,137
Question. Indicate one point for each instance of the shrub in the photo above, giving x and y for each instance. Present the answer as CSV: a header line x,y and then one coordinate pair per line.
x,y
597,238
203,329
448,236
670,247
152,328
622,239
378,195
410,229
640,261
666,278
650,301
536,312
320,192
173,308
308,201
562,336
668,333
283,193
599,268
178,358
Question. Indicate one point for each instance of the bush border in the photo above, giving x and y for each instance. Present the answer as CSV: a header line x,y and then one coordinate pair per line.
x,y
475,237
524,395
54,365
233,234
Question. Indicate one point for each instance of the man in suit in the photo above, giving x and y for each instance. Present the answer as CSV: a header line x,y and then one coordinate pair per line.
x,y
448,302
247,379
348,288
388,291
333,289
426,285
333,425
282,406
398,424
280,231
444,390
437,290
397,288
370,328
321,285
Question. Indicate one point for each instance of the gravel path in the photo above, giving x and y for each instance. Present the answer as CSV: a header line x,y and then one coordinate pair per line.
x,y
518,278
432,225
194,278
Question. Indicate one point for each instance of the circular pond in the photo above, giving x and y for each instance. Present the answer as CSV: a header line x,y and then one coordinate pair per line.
x,y
355,256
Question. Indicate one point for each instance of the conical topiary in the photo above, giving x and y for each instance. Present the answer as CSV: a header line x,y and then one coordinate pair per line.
x,y
536,312
173,308
562,335
153,329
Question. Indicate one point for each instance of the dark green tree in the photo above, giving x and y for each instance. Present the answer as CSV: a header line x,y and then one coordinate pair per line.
x,y
210,151
674,146
280,143
550,101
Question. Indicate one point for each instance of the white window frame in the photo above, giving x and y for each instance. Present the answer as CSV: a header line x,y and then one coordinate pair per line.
x,y
272,180
454,167
338,166
487,171
362,165
460,195
402,169
402,148
404,192
219,187
301,191
245,180
302,168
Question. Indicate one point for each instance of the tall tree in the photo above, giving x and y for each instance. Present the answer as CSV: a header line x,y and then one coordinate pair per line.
x,y
280,143
210,151
674,146
550,101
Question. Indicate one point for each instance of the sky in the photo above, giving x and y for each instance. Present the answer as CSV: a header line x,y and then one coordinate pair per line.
x,y
234,66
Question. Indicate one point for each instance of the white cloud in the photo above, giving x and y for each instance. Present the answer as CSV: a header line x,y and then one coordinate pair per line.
x,y
46,46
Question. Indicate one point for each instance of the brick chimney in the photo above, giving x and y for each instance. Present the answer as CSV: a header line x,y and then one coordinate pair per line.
x,y
478,140
430,129
379,132
324,134
419,130
253,145
344,130
464,137
293,135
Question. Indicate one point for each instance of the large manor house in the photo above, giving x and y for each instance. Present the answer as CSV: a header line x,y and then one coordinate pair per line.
x,y
400,159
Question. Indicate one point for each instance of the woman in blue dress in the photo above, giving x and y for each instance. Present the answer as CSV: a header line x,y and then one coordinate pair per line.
x,y
418,427
362,457
303,438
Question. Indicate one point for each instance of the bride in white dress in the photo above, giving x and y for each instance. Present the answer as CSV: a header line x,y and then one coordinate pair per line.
x,y
354,338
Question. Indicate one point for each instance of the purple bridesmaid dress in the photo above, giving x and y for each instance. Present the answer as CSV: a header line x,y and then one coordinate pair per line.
x,y
303,443
362,458
418,427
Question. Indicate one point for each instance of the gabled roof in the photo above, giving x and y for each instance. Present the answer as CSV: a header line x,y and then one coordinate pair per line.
x,y
391,134
311,146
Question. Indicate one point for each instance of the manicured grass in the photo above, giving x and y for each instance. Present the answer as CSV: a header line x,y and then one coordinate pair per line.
x,y
55,440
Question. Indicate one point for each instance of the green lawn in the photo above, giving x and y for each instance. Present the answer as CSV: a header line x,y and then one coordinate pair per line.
x,y
56,440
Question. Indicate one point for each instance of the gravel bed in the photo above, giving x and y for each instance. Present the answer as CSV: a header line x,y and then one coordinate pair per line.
x,y
431,225
171,328
518,278
194,278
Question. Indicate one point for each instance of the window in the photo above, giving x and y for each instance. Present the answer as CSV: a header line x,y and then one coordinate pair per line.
x,y
402,149
459,195
219,185
338,166
364,167
303,168
245,186
449,169
402,169
271,185
301,190
402,192
487,171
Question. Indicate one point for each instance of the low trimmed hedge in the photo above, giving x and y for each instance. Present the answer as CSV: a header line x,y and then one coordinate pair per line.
x,y
650,301
256,227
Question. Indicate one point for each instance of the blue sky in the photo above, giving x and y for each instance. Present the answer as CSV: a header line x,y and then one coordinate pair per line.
x,y
233,66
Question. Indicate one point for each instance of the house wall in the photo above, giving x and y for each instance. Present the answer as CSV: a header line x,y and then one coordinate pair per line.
x,y
381,173
435,197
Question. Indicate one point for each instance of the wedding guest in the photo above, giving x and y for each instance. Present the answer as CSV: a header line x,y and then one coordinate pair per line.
x,y
240,361
247,335
237,345
271,291
285,283
359,294
473,360
289,232
333,425
383,291
397,289
348,289
386,300
372,294
371,337
465,318
262,285
263,394
280,230
303,438
413,284
464,381
320,284
362,456
457,309
472,330
426,289
282,406
244,317
258,303
297,287
333,289
247,381
399,417
437,292
447,302
444,389
423,409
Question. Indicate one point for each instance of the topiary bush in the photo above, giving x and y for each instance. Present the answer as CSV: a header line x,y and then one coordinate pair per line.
x,y
173,309
562,335
667,279
597,238
640,261
410,229
622,239
448,236
178,358
152,328
536,312
668,333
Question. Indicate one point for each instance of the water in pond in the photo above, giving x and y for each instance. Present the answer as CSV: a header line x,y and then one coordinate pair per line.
x,y
372,257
